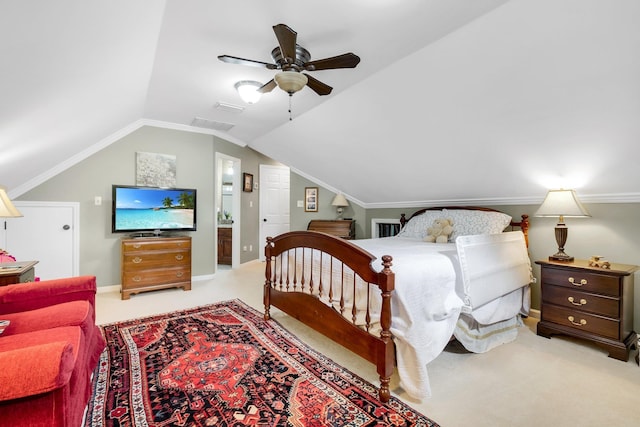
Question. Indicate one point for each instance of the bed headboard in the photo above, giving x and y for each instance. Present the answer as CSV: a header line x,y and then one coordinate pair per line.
x,y
523,224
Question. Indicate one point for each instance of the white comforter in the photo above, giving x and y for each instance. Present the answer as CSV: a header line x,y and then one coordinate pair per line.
x,y
427,304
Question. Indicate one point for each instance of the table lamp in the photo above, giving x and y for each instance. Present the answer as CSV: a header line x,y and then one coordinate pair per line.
x,y
561,203
340,202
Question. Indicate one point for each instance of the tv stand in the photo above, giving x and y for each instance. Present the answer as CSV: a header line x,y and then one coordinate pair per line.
x,y
152,263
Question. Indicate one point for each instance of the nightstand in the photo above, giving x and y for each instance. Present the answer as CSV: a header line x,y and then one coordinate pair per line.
x,y
17,272
591,303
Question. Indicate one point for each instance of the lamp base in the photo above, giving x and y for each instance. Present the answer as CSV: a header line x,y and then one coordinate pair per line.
x,y
561,256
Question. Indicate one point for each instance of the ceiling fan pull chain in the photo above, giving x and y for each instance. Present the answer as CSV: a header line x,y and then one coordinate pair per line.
x,y
290,97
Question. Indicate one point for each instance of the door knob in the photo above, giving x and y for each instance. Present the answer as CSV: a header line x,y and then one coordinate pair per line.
x,y
264,219
66,227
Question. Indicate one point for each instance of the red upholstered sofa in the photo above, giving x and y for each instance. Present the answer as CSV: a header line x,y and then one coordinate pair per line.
x,y
48,351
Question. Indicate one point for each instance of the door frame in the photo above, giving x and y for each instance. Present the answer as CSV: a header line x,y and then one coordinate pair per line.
x,y
236,203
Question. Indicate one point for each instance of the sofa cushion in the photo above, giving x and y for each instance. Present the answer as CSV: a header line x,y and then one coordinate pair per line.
x,y
33,295
74,313
38,362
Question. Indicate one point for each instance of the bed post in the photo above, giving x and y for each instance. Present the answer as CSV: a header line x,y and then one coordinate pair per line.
x,y
267,282
524,226
386,363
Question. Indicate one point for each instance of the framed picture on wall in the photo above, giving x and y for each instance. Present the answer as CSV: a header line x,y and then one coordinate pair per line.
x,y
247,180
311,199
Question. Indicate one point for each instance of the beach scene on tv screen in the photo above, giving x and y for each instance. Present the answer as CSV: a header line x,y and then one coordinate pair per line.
x,y
140,209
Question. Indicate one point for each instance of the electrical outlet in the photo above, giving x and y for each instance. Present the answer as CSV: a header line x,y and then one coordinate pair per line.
x,y
250,248
97,201
300,204
244,249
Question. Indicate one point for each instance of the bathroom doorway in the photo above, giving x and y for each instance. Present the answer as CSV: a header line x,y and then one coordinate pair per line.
x,y
227,210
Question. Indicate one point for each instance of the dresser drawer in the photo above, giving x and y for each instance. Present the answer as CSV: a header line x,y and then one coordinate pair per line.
x,y
583,280
583,301
135,245
581,321
149,260
137,279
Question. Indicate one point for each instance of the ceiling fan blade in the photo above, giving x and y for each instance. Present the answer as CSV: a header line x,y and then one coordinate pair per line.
x,y
241,61
346,60
267,87
287,41
317,86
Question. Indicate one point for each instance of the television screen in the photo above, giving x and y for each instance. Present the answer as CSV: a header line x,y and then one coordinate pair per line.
x,y
152,209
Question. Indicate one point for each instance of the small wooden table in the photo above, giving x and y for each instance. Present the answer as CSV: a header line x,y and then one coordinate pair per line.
x,y
17,272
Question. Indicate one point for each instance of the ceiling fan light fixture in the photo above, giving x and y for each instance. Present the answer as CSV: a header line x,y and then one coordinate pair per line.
x,y
248,91
290,81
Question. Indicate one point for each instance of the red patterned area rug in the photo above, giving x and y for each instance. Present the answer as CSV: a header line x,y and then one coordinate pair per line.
x,y
223,365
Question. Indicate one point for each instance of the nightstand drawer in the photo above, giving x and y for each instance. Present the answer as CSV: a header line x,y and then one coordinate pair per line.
x,y
581,321
583,280
583,301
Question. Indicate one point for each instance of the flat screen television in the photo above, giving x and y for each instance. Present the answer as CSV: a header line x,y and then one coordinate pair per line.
x,y
152,210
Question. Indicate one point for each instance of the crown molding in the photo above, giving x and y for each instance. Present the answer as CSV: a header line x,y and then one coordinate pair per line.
x,y
114,137
494,201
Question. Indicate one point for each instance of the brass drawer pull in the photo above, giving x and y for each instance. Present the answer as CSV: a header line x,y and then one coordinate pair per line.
x,y
582,301
179,257
137,245
179,274
136,260
136,278
573,282
572,320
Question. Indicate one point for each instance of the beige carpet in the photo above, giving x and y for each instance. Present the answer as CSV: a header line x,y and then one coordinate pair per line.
x,y
531,382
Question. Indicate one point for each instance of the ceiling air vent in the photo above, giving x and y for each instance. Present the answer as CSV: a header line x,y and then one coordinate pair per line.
x,y
211,124
229,108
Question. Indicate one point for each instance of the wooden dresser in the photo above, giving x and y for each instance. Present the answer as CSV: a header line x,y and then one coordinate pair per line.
x,y
155,263
586,302
345,228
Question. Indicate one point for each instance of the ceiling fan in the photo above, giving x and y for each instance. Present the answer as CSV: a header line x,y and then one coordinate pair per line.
x,y
292,59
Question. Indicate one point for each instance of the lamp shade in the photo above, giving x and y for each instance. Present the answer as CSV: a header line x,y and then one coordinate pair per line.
x,y
339,201
7,209
290,81
248,91
562,203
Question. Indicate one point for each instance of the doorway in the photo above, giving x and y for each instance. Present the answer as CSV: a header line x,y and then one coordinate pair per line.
x,y
227,209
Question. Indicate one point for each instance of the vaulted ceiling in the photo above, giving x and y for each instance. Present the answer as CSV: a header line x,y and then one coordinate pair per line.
x,y
488,101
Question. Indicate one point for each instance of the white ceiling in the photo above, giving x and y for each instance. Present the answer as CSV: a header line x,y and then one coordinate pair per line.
x,y
487,101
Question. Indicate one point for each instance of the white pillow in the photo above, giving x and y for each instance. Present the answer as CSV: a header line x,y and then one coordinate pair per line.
x,y
417,226
469,222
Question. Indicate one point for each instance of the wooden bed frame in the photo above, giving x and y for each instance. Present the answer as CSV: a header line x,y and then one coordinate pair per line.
x,y
296,292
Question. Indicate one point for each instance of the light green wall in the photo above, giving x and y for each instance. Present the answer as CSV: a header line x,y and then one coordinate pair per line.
x,y
115,164
300,219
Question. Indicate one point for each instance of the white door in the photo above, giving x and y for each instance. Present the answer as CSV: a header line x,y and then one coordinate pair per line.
x,y
274,203
48,233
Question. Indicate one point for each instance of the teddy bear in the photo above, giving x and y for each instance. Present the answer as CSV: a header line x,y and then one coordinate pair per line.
x,y
440,231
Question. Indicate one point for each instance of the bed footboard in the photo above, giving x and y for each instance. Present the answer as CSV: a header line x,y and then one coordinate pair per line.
x,y
330,285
